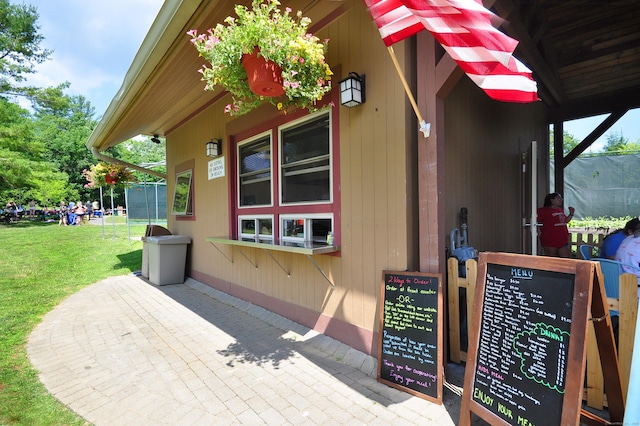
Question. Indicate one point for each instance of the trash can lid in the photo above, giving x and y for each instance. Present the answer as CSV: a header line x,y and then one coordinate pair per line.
x,y
169,239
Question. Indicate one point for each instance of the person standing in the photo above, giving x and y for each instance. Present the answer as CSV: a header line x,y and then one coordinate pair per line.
x,y
554,234
62,214
32,209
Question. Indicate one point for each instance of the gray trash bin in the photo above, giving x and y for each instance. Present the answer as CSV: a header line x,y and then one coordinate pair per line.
x,y
152,231
167,258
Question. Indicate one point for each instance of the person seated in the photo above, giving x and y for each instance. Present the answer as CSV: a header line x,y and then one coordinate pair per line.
x,y
629,253
612,242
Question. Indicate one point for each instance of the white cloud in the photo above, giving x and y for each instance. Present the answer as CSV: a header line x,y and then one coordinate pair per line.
x,y
94,43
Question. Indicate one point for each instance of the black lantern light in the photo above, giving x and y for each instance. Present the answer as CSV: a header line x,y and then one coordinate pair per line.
x,y
214,148
352,90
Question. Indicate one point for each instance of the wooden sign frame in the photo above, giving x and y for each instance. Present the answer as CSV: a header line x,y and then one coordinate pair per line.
x,y
407,358
588,297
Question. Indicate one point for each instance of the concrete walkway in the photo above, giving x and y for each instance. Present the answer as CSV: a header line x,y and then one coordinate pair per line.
x,y
125,352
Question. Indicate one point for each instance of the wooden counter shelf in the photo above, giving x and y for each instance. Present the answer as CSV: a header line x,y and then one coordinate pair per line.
x,y
307,248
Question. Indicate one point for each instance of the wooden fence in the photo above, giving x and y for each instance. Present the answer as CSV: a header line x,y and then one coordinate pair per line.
x,y
590,236
461,291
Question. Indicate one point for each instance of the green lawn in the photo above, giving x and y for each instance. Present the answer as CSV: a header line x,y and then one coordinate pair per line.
x,y
40,265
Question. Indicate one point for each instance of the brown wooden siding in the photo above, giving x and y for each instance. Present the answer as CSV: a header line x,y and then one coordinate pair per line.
x,y
377,172
483,143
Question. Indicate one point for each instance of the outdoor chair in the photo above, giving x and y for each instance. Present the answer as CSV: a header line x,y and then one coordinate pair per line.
x,y
611,270
588,252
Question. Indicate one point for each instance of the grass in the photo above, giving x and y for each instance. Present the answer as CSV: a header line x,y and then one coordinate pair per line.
x,y
600,222
41,265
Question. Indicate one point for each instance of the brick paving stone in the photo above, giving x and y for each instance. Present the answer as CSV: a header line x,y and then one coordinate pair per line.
x,y
123,351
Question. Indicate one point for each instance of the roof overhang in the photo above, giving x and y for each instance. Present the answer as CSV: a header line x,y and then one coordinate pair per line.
x,y
163,88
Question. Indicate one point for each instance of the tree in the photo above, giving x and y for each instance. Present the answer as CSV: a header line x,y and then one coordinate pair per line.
x,y
618,144
20,47
568,143
24,172
16,147
63,124
141,151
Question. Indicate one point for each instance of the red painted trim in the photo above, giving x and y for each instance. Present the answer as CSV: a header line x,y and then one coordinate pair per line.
x,y
243,129
189,164
356,337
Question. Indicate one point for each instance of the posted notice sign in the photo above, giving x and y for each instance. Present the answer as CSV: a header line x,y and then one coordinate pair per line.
x,y
216,168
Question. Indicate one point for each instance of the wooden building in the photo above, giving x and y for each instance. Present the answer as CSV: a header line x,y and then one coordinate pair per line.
x,y
389,195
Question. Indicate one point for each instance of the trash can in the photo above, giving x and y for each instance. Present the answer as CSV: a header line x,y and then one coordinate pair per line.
x,y
152,230
167,258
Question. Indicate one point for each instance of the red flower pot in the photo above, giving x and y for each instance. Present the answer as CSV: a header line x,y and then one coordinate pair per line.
x,y
110,180
264,77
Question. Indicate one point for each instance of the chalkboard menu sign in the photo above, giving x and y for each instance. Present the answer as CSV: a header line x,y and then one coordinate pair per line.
x,y
410,350
529,328
524,340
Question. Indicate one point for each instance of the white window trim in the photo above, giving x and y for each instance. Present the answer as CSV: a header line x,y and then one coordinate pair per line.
x,y
239,167
308,229
258,237
294,123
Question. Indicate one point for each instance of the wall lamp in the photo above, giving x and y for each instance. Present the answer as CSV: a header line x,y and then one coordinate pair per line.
x,y
214,147
155,139
352,90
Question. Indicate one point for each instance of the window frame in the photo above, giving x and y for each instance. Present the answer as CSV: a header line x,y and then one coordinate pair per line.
x,y
308,227
257,237
239,146
243,131
281,166
178,170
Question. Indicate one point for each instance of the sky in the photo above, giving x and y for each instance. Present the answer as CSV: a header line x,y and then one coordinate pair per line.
x,y
628,126
94,43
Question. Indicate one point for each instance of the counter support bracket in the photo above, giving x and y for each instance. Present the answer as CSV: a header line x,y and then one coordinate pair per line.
x,y
320,270
278,263
309,249
222,253
255,265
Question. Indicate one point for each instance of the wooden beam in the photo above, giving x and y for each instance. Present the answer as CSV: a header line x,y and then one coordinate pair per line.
x,y
629,99
431,203
593,136
542,71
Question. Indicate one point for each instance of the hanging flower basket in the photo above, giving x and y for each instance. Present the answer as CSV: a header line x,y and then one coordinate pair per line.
x,y
282,39
264,77
110,180
102,174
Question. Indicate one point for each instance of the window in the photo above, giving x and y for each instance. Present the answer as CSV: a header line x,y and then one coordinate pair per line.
x,y
182,200
298,229
292,198
305,161
256,228
254,181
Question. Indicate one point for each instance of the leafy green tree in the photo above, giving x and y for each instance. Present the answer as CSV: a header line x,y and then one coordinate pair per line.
x,y
143,152
63,125
17,149
20,47
618,144
568,143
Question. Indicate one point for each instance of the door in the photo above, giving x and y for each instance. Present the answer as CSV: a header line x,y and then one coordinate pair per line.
x,y
529,199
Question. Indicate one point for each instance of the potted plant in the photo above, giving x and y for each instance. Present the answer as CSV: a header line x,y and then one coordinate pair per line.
x,y
103,174
292,54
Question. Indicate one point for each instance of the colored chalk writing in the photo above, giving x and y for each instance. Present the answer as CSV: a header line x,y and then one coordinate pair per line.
x,y
523,344
409,356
